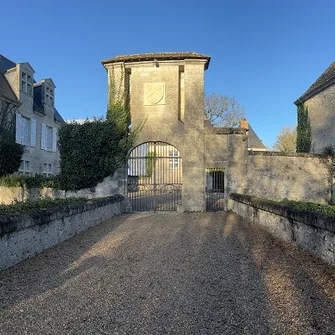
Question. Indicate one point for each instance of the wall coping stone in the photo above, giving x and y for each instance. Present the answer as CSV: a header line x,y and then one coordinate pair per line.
x,y
13,222
291,154
311,218
224,131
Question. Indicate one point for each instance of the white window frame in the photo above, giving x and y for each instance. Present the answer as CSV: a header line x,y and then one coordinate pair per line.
x,y
25,167
174,159
49,96
47,169
27,83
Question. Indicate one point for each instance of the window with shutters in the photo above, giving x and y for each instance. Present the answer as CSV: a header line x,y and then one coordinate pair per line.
x,y
25,130
27,83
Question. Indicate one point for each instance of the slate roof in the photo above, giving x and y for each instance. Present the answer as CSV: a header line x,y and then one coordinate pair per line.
x,y
158,56
5,64
6,90
253,140
58,118
326,79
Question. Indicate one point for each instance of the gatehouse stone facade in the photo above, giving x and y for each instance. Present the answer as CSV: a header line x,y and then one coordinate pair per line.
x,y
166,92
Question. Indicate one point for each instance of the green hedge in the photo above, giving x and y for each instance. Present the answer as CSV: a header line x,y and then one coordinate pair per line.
x,y
94,150
89,152
35,205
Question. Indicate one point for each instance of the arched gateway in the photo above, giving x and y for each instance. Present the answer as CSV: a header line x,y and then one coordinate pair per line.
x,y
154,177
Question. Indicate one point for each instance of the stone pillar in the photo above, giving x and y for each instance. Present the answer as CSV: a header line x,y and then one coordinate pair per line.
x,y
193,153
237,176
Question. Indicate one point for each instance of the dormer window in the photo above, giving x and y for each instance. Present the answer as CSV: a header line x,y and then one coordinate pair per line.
x,y
49,96
27,84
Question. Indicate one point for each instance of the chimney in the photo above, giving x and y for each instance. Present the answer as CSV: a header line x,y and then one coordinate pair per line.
x,y
244,124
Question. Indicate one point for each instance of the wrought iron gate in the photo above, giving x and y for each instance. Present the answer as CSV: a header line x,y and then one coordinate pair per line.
x,y
154,177
215,189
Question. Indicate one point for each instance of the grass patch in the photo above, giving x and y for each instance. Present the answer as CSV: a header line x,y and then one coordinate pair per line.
x,y
328,210
37,205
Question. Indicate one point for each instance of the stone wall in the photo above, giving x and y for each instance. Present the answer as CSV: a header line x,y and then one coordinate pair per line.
x,y
322,117
108,187
276,176
23,236
311,231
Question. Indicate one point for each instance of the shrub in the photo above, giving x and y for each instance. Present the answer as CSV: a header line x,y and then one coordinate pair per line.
x,y
149,163
35,205
304,135
37,181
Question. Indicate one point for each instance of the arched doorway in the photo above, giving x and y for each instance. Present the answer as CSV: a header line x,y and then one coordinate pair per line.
x,y
154,177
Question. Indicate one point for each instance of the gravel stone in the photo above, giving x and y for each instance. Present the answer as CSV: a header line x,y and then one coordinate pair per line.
x,y
171,273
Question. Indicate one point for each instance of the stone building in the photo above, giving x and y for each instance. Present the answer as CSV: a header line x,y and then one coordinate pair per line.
x,y
166,92
320,100
37,119
180,161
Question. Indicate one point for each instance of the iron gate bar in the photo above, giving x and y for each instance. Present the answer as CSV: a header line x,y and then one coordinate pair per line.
x,y
154,177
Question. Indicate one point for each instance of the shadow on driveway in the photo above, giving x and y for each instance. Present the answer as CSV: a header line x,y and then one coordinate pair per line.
x,y
195,273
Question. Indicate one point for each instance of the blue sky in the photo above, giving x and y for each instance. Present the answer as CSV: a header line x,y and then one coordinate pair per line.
x,y
264,53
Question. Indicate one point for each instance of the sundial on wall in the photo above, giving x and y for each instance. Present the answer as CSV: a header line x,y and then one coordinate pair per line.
x,y
154,94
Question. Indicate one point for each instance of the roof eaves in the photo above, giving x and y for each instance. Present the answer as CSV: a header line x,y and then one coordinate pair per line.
x,y
158,56
311,93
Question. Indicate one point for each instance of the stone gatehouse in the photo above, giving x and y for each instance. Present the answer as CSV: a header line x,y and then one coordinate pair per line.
x,y
178,154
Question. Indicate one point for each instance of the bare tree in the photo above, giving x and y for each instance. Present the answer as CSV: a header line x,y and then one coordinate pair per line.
x,y
7,115
223,111
286,140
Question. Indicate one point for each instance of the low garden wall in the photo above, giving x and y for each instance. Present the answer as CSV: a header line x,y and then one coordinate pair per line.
x,y
109,186
25,235
295,176
309,230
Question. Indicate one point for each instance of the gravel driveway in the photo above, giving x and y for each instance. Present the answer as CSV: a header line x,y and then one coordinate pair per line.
x,y
197,273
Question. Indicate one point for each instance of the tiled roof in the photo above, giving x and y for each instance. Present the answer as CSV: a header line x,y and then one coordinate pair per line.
x,y
326,79
158,56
